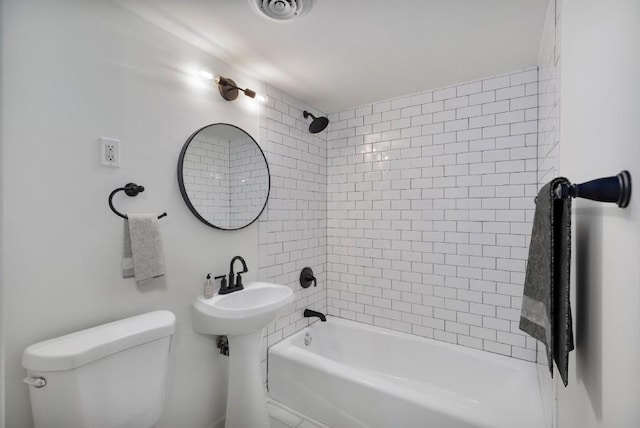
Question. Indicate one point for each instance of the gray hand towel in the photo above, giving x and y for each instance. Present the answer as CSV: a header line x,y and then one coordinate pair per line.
x,y
142,254
546,310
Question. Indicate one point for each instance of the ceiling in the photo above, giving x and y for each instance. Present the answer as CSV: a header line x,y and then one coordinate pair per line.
x,y
346,53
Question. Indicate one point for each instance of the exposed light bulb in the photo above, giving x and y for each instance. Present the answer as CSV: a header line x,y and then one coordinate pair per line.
x,y
205,74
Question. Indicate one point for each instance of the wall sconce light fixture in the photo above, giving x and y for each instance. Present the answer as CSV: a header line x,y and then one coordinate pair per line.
x,y
229,90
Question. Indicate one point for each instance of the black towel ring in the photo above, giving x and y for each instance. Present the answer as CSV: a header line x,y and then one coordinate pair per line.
x,y
131,189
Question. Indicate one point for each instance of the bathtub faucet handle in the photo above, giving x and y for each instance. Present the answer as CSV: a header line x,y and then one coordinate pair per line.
x,y
307,278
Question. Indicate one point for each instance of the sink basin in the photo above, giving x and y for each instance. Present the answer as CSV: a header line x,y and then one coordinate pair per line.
x,y
241,312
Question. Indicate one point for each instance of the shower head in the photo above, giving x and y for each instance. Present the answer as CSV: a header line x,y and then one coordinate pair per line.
x,y
318,124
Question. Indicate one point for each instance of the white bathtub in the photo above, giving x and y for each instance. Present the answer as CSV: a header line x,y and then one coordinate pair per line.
x,y
356,375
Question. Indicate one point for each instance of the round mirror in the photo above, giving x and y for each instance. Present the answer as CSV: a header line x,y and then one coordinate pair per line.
x,y
224,176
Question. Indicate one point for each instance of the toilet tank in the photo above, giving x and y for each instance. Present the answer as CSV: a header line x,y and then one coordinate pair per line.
x,y
110,376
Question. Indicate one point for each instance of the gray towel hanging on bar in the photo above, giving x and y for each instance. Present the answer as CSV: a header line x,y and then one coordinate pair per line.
x,y
546,309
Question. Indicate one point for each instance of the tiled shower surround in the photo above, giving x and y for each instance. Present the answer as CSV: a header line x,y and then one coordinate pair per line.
x,y
293,227
429,210
248,181
415,212
206,177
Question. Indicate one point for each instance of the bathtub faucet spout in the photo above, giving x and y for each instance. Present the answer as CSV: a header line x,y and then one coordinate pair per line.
x,y
311,313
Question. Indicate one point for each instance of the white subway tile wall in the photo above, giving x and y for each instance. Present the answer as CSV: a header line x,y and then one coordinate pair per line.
x,y
249,181
206,173
217,182
292,229
429,211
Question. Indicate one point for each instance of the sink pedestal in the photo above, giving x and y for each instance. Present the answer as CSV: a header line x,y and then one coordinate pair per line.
x,y
246,398
242,316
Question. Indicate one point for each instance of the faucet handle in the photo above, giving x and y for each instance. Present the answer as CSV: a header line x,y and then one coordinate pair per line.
x,y
223,283
307,278
239,281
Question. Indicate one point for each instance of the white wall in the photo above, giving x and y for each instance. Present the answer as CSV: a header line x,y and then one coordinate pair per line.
x,y
549,98
2,386
74,71
548,147
600,135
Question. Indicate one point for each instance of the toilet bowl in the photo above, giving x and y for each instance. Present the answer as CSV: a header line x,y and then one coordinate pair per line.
x,y
110,376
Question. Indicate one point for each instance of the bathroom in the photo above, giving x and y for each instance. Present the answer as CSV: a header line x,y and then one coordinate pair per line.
x,y
74,71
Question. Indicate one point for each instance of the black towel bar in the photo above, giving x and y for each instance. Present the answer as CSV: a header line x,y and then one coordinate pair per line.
x,y
607,189
131,189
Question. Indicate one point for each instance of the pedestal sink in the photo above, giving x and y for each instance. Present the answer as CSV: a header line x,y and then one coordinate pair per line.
x,y
241,316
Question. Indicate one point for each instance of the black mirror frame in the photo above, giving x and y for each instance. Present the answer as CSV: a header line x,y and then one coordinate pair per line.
x,y
183,190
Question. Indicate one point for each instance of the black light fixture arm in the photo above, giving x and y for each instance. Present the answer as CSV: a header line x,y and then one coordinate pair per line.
x,y
607,189
131,189
229,90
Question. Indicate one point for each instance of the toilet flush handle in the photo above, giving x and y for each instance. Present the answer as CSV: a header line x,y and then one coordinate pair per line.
x,y
36,382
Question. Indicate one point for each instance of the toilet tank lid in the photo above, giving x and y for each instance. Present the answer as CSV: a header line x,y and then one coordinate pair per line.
x,y
82,347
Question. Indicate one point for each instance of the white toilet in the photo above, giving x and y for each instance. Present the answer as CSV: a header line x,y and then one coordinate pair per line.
x,y
110,376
